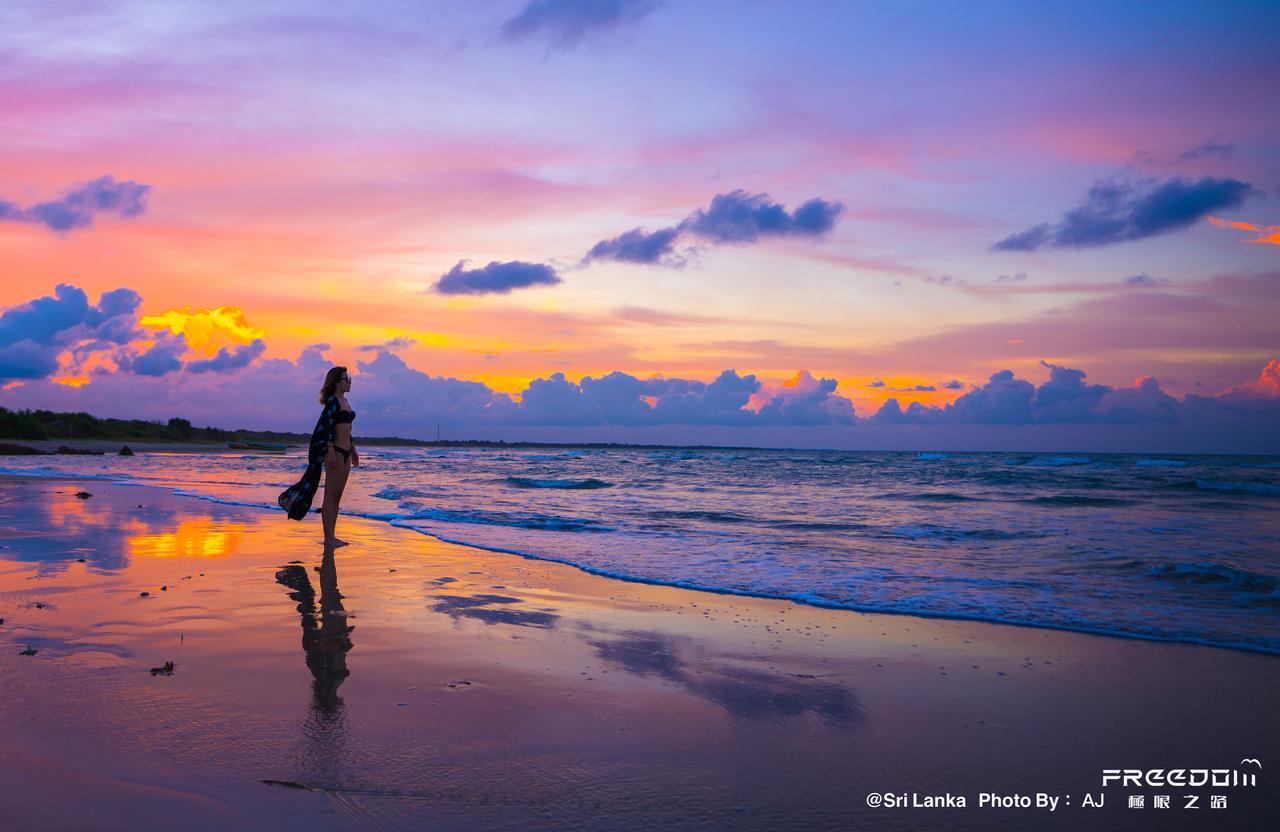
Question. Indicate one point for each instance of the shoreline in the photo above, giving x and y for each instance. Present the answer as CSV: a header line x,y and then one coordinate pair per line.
x,y
599,701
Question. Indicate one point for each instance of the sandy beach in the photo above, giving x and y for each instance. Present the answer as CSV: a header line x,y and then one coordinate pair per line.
x,y
411,684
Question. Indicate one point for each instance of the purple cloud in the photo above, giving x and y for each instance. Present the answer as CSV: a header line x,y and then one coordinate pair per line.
x,y
614,399
397,398
1064,398
891,413
391,345
638,246
1002,400
622,399
161,358
567,22
225,360
27,359
733,218
740,217
1116,212
34,334
810,401
1209,148
495,278
720,402
1144,403
80,204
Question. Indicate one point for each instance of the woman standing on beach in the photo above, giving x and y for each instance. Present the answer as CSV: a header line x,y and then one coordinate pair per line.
x,y
332,447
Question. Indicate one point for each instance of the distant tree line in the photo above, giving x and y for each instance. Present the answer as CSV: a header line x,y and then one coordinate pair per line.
x,y
46,424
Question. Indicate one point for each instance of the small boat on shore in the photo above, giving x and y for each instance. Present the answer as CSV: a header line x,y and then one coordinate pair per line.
x,y
265,447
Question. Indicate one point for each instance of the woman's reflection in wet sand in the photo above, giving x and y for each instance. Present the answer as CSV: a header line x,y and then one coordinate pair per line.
x,y
326,638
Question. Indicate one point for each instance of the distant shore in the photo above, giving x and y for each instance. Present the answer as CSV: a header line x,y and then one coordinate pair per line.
x,y
113,446
300,441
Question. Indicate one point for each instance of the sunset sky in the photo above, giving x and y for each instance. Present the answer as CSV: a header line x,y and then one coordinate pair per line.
x,y
842,203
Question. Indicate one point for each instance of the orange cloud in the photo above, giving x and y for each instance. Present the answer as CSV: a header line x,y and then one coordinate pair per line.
x,y
76,370
1267,235
207,330
1269,379
1267,383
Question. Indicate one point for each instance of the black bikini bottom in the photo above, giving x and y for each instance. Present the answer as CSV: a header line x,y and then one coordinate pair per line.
x,y
346,453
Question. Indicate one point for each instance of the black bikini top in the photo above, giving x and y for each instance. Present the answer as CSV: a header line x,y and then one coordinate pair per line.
x,y
344,417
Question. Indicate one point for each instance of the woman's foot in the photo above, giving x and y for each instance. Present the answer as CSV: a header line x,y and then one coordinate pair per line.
x,y
335,543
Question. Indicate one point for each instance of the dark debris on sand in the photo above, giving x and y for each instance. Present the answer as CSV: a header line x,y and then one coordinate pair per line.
x,y
288,784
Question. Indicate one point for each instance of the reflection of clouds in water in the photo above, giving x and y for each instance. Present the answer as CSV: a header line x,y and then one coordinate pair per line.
x,y
742,692
482,607
200,537
107,532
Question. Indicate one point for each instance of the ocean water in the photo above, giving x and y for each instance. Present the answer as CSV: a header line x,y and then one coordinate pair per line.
x,y
1181,548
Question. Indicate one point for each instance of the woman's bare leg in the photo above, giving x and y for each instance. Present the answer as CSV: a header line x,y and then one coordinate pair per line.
x,y
335,482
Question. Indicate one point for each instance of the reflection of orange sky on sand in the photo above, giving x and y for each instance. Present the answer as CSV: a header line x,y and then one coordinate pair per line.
x,y
66,509
201,537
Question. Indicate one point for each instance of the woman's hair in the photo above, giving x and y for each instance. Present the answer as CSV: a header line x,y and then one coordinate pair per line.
x,y
331,380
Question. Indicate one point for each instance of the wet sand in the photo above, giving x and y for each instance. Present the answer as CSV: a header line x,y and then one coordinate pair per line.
x,y
410,684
